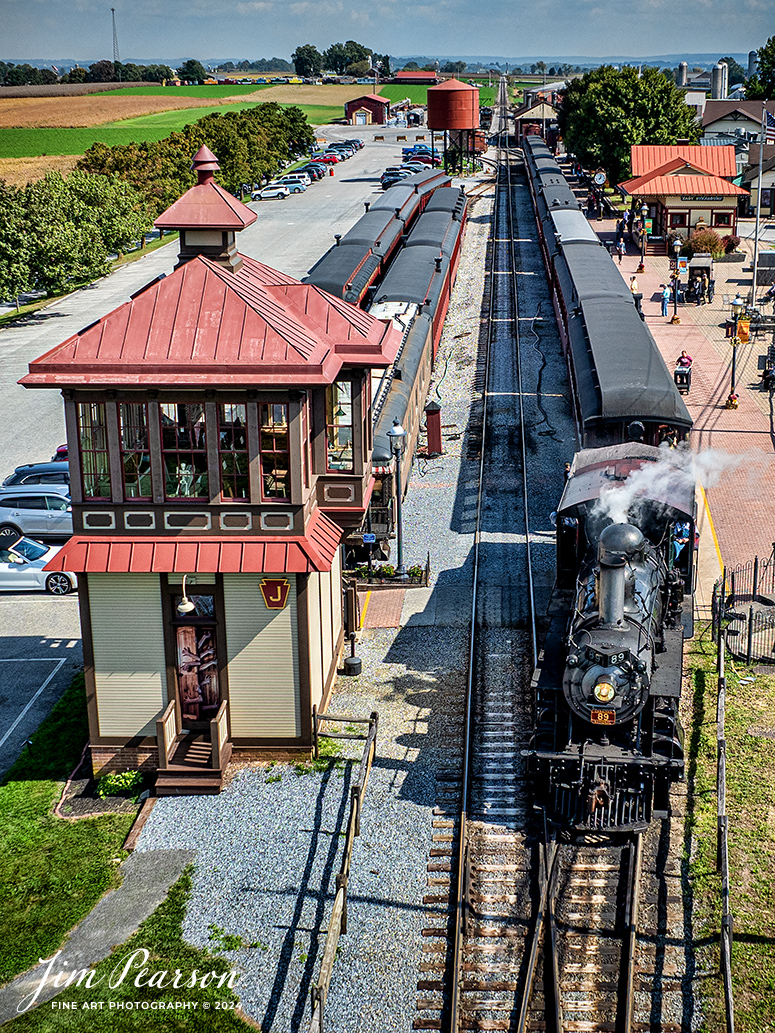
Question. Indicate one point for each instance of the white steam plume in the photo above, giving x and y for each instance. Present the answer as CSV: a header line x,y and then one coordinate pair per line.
x,y
674,468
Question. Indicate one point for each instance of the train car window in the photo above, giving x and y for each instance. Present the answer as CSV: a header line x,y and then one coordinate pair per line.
x,y
339,427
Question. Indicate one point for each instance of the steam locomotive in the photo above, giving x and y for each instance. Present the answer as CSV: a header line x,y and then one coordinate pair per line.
x,y
607,742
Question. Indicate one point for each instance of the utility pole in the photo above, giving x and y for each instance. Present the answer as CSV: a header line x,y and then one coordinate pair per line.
x,y
116,58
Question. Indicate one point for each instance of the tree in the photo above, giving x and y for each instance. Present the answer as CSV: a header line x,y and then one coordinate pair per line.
x,y
762,85
23,75
360,68
307,60
737,73
411,66
101,71
14,258
157,73
335,58
382,63
192,71
605,112
75,75
455,67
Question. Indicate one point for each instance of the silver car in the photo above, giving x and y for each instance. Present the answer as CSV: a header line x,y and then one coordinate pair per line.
x,y
40,512
21,568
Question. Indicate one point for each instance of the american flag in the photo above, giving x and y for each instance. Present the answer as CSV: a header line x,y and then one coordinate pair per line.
x,y
769,127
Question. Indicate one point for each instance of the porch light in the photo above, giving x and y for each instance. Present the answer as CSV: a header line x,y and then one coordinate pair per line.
x,y
185,605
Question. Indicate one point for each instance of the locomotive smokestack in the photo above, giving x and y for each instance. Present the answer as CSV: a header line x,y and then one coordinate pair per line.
x,y
618,543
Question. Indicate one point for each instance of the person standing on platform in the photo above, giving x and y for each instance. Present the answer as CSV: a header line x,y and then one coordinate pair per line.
x,y
665,298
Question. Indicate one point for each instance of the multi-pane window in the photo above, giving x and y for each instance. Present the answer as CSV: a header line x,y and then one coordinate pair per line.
x,y
273,445
339,427
95,464
305,442
233,451
184,451
135,453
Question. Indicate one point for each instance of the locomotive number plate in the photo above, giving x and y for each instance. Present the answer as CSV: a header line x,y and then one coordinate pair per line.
x,y
603,717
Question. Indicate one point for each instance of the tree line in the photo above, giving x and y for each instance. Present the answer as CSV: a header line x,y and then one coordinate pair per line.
x,y
348,58
60,232
100,71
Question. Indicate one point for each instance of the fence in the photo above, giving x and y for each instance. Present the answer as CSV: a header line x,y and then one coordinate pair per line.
x,y
744,607
722,850
338,924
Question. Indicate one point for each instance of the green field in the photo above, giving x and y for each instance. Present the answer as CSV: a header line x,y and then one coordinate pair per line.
x,y
27,143
183,91
419,94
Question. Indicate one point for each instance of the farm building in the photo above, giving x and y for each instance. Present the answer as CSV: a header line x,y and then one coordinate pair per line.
x,y
371,109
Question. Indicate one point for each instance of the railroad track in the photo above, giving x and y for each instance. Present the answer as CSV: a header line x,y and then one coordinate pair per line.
x,y
531,934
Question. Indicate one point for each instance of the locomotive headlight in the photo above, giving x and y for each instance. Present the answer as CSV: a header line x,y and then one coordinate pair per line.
x,y
604,692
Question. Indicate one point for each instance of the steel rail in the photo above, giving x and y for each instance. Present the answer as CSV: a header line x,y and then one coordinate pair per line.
x,y
627,989
461,898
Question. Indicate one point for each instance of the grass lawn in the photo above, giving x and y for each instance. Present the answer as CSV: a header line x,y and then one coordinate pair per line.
x,y
52,871
29,142
751,809
160,935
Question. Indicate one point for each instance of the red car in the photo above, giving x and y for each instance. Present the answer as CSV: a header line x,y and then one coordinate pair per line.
x,y
328,159
426,159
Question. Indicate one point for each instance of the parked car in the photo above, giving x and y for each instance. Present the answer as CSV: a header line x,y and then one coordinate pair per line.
x,y
60,455
278,190
39,473
390,179
296,177
346,149
21,568
424,159
357,143
327,159
313,170
295,186
45,513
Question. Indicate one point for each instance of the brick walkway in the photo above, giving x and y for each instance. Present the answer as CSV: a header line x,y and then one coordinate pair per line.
x,y
381,609
739,488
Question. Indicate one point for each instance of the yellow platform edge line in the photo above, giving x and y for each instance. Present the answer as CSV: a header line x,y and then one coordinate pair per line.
x,y
712,527
365,607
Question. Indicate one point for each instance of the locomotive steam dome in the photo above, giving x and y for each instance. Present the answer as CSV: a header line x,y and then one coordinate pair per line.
x,y
618,542
453,105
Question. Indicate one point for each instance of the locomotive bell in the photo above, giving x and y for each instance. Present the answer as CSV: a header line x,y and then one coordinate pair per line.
x,y
618,543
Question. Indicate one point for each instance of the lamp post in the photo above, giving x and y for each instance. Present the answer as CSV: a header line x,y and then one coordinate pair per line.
x,y
397,436
676,251
644,210
738,305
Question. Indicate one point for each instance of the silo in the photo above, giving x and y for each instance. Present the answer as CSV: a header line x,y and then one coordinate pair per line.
x,y
753,61
716,81
683,73
724,79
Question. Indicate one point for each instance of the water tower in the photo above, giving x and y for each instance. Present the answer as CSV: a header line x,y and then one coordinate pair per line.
x,y
453,108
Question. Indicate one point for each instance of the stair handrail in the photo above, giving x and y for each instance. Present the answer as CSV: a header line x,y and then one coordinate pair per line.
x,y
167,731
219,734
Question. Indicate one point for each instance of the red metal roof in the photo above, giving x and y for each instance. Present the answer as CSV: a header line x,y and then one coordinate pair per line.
x,y
719,161
297,554
205,324
414,75
367,96
679,185
206,204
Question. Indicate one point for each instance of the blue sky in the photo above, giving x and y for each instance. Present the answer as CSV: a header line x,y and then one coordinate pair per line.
x,y
81,29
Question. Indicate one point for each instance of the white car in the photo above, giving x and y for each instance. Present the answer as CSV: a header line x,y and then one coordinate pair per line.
x,y
21,569
280,190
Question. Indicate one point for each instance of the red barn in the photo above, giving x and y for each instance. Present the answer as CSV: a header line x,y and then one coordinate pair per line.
x,y
368,110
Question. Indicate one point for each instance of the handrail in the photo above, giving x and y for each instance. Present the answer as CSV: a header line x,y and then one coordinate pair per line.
x,y
722,823
167,728
337,925
219,733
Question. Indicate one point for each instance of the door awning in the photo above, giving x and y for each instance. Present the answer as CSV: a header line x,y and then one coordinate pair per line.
x,y
126,554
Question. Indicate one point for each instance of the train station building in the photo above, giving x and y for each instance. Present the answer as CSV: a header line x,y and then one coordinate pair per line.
x,y
368,110
686,187
220,435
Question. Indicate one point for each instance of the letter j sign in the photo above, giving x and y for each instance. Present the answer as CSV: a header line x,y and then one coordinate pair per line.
x,y
275,592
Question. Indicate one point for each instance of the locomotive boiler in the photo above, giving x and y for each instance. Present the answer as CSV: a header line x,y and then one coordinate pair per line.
x,y
607,742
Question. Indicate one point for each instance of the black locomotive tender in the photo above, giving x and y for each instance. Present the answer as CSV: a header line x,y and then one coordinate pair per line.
x,y
399,262
607,742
